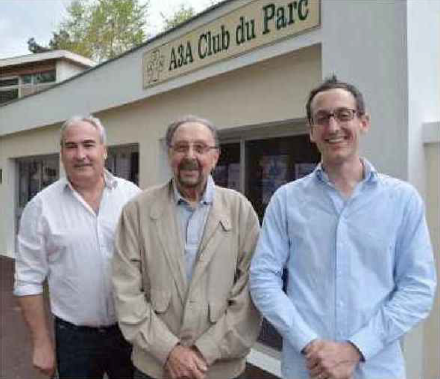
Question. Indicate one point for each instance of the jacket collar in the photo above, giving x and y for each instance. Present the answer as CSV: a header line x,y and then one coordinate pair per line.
x,y
163,212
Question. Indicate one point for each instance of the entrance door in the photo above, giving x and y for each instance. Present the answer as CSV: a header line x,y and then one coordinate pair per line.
x,y
257,168
34,174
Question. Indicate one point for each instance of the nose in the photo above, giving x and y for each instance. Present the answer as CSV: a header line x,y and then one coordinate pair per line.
x,y
332,123
80,153
190,153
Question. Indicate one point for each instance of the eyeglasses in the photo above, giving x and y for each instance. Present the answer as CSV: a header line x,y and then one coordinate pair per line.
x,y
322,118
199,148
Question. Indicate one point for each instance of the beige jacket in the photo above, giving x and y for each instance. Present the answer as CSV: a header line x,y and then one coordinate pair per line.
x,y
156,306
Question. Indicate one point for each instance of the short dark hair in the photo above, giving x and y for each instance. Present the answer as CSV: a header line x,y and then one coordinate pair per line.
x,y
190,118
332,82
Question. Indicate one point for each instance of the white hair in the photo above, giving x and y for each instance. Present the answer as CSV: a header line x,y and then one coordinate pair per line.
x,y
94,121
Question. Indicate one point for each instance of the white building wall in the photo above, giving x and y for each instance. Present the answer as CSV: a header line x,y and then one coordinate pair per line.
x,y
388,50
66,69
364,42
424,81
431,345
423,106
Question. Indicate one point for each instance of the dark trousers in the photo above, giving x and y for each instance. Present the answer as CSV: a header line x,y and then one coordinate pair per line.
x,y
140,375
88,353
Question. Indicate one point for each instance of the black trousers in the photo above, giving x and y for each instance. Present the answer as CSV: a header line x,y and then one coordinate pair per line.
x,y
87,353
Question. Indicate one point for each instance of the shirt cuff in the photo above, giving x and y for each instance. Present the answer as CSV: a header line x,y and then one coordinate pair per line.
x,y
303,340
26,289
367,343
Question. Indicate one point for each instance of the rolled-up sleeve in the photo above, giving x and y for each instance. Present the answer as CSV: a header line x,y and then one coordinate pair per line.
x,y
31,265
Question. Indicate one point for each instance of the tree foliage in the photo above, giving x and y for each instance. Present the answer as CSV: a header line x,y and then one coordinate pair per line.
x,y
183,13
35,48
101,29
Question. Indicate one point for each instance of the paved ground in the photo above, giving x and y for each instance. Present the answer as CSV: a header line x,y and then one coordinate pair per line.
x,y
15,347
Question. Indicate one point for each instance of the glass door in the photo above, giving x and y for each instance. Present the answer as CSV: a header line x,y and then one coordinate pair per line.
x,y
34,174
268,163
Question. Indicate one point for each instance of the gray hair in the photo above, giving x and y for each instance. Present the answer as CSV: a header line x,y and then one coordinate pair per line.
x,y
94,121
190,118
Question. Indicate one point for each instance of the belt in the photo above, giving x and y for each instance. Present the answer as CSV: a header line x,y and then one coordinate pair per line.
x,y
87,329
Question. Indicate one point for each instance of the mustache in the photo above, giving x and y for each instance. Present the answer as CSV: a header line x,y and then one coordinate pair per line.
x,y
189,164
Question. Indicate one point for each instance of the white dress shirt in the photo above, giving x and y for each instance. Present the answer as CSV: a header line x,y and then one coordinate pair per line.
x,y
63,239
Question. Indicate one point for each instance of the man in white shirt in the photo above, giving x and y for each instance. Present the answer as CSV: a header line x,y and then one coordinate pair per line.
x,y
66,235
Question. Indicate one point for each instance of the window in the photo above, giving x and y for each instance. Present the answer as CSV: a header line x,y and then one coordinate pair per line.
x,y
8,89
14,87
257,167
123,161
44,77
8,95
26,79
34,174
6,82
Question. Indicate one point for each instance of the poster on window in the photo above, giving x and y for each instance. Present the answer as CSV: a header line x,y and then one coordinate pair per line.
x,y
220,175
234,176
274,174
303,169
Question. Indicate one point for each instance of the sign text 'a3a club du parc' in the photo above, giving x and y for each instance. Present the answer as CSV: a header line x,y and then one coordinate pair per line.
x,y
253,25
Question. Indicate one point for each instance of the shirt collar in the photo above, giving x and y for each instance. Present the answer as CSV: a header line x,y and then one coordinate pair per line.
x,y
370,173
208,195
109,180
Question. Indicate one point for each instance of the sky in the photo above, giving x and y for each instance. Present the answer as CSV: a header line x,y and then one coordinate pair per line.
x,y
23,19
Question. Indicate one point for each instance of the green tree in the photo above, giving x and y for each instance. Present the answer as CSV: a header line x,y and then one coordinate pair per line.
x,y
101,29
183,13
35,48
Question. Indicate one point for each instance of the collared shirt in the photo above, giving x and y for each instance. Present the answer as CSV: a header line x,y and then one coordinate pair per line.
x,y
359,269
192,223
63,239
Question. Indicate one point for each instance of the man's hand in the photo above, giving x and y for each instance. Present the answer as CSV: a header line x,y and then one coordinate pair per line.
x,y
331,360
43,357
186,363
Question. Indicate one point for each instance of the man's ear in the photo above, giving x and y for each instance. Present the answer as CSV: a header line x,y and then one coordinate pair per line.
x,y
365,123
312,138
216,158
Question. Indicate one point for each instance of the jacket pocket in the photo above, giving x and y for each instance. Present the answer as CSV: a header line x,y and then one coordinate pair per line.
x,y
160,300
216,310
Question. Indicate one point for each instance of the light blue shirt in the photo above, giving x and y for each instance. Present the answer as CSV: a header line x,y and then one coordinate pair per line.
x,y
192,223
359,269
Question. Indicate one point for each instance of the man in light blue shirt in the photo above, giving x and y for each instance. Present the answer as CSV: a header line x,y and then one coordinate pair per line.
x,y
357,250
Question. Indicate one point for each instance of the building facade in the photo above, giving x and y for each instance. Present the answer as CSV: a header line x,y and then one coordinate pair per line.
x,y
248,66
28,74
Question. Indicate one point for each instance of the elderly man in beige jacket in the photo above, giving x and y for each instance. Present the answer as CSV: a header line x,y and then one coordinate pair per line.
x,y
181,269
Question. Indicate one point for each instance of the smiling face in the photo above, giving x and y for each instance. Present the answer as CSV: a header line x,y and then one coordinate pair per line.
x,y
338,141
191,157
83,154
